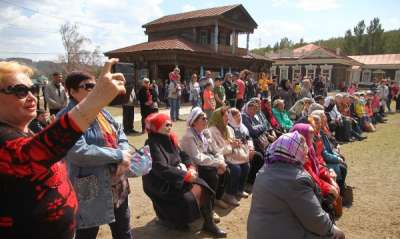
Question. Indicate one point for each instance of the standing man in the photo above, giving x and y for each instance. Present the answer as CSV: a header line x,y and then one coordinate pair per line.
x,y
128,114
230,90
55,94
145,97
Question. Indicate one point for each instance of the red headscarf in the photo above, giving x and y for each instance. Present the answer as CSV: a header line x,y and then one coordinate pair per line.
x,y
155,121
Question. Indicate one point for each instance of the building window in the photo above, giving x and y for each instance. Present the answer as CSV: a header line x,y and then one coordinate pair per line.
x,y
326,71
366,76
203,37
296,74
283,72
273,70
397,76
310,71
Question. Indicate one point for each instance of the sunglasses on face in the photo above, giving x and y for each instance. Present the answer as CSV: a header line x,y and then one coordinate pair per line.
x,y
20,91
87,86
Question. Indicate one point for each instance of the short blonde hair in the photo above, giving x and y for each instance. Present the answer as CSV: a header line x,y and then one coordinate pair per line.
x,y
8,68
277,102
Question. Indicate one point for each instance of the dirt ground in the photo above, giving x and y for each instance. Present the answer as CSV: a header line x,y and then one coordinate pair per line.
x,y
374,171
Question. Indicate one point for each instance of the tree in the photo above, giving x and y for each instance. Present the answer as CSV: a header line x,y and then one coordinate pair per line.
x,y
348,44
76,56
359,37
375,40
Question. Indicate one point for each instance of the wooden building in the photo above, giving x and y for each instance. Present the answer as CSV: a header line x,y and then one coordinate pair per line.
x,y
312,60
381,66
195,41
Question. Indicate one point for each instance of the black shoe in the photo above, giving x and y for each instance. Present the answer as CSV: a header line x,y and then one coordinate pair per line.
x,y
214,230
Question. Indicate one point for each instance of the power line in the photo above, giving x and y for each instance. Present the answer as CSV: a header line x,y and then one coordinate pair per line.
x,y
11,26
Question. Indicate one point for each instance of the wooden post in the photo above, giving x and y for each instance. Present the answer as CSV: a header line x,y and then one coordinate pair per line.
x,y
233,35
247,43
216,37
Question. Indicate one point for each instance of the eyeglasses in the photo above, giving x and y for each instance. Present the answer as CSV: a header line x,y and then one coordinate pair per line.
x,y
203,118
168,125
87,86
20,91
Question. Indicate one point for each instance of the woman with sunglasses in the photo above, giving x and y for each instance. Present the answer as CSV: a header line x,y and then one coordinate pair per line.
x,y
179,196
37,199
92,164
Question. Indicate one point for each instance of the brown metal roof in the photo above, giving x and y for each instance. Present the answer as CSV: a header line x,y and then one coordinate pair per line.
x,y
165,44
382,59
176,43
209,12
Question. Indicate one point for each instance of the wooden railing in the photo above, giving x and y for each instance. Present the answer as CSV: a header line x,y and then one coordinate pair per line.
x,y
227,50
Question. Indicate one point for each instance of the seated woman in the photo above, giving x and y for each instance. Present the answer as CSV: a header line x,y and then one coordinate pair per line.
x,y
260,136
285,201
300,109
320,175
93,163
361,115
336,122
37,198
210,163
266,109
239,161
260,117
281,115
173,185
224,142
334,160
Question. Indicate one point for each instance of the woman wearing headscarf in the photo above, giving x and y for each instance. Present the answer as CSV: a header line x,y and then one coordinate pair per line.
x,y
256,130
341,127
281,115
173,185
320,175
285,201
196,142
266,109
224,142
239,163
287,94
300,109
333,160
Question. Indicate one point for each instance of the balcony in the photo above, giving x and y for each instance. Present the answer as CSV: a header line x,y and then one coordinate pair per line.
x,y
227,50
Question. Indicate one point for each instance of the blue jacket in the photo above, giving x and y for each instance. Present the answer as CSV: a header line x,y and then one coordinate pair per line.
x,y
89,165
330,157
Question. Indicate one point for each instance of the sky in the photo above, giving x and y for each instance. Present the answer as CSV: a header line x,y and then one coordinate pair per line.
x,y
30,29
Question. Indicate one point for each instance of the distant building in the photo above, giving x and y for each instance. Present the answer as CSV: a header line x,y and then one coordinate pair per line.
x,y
312,60
195,41
379,67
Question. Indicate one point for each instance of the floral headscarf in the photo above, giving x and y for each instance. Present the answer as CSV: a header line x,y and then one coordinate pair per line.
x,y
289,148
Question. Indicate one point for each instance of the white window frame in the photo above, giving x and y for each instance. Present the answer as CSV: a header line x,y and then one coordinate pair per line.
x,y
273,70
283,73
310,68
397,76
366,76
296,71
326,68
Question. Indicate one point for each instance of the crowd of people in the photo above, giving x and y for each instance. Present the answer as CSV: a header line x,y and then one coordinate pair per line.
x,y
65,175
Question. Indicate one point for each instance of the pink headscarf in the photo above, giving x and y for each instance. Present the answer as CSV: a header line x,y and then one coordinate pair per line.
x,y
304,129
289,148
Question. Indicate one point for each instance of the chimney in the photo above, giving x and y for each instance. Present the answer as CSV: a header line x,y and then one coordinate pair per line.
x,y
338,51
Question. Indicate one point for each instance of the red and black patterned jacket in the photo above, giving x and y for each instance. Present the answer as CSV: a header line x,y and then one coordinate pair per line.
x,y
36,197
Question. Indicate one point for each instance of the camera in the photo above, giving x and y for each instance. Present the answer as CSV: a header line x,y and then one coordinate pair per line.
x,y
128,70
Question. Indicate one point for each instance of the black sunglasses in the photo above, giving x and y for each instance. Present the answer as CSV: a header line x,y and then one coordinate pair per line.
x,y
87,86
20,91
